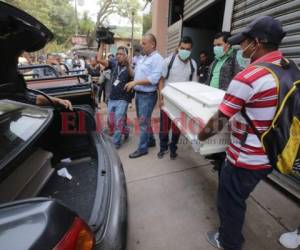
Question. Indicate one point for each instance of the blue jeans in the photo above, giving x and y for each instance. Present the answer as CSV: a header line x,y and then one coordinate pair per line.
x,y
145,103
235,186
117,110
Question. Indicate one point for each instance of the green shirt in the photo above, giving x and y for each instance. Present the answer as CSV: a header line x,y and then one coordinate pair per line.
x,y
215,80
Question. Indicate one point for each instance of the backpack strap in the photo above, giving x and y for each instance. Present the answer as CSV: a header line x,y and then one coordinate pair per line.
x,y
278,69
233,62
249,121
192,70
284,65
170,65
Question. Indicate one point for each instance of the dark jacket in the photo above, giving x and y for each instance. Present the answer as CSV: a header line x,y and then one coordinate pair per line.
x,y
121,74
229,69
94,72
203,71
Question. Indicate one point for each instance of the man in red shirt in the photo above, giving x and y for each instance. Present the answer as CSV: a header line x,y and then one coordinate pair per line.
x,y
254,91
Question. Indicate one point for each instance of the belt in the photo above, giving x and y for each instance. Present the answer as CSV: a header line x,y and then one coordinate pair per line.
x,y
145,93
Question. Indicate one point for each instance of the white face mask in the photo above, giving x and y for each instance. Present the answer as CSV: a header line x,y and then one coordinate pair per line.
x,y
242,61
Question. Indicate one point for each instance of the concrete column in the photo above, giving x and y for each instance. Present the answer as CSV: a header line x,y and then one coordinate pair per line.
x,y
160,10
227,20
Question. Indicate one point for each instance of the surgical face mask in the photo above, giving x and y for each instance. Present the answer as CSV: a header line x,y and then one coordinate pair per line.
x,y
252,54
219,51
184,54
242,61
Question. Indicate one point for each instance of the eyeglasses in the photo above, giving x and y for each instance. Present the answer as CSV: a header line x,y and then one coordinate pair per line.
x,y
120,54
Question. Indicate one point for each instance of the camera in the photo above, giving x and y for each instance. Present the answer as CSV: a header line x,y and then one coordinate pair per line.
x,y
104,35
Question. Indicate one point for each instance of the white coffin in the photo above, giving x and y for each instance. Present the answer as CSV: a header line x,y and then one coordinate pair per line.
x,y
188,104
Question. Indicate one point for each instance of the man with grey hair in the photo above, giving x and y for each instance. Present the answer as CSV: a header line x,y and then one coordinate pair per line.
x,y
147,75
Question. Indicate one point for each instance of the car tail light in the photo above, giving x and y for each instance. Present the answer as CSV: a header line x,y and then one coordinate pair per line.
x,y
79,237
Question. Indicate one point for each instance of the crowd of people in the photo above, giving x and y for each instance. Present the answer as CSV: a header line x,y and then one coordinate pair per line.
x,y
144,76
250,91
249,88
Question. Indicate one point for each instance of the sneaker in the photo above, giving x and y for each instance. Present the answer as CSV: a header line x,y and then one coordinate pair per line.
x,y
213,239
137,154
173,155
290,240
126,136
161,154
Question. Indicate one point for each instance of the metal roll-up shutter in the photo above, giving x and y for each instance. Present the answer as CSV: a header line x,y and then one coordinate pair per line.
x,y
286,11
192,7
174,35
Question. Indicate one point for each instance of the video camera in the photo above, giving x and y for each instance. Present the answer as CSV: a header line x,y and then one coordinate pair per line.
x,y
104,35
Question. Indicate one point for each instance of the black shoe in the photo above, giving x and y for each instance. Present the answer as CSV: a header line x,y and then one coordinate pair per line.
x,y
126,136
216,156
137,154
213,239
117,146
161,154
151,144
173,155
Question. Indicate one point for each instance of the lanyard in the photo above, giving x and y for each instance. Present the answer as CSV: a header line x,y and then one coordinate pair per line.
x,y
119,72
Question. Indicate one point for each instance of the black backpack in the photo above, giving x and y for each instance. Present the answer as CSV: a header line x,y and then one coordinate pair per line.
x,y
281,141
171,64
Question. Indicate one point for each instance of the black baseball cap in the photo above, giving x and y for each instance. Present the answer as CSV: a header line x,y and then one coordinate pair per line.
x,y
265,28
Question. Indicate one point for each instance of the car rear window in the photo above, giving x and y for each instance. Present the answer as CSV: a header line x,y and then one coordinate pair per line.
x,y
19,124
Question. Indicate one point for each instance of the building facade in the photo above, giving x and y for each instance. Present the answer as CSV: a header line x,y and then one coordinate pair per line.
x,y
160,12
201,19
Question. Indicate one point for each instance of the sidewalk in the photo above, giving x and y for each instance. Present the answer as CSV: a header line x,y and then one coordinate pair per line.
x,y
172,204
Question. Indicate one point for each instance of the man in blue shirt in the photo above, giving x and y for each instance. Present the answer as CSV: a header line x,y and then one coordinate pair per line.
x,y
147,75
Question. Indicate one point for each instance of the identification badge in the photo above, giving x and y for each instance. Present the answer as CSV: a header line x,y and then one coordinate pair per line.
x,y
116,82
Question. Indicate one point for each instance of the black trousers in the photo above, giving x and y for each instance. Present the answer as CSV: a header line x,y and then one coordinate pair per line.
x,y
101,90
235,186
165,126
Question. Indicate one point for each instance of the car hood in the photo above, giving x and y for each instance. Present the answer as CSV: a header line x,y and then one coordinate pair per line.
x,y
18,32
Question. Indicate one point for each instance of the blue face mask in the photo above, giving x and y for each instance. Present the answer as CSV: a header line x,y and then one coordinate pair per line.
x,y
242,61
184,54
219,51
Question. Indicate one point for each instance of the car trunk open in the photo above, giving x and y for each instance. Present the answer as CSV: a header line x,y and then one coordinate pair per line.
x,y
35,151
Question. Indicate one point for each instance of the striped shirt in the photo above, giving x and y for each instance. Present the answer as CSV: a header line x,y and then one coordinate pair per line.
x,y
255,89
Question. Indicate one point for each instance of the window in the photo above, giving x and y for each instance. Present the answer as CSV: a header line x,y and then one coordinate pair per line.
x,y
18,125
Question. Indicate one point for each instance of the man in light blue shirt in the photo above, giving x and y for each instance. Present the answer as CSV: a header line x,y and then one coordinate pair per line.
x,y
147,75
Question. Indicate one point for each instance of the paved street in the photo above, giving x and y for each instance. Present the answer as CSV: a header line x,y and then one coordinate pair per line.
x,y
172,204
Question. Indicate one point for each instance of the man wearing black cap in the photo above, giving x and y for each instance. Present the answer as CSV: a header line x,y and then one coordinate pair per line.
x,y
253,91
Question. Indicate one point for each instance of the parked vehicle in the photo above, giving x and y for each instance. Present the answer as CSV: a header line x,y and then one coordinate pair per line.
x,y
74,86
40,209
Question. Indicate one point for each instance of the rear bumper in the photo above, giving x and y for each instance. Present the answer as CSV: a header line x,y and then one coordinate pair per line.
x,y
113,234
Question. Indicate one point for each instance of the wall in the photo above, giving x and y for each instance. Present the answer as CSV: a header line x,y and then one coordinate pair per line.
x,y
202,39
285,11
160,9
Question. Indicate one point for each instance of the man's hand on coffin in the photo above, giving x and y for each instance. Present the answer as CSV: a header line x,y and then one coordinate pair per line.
x,y
214,125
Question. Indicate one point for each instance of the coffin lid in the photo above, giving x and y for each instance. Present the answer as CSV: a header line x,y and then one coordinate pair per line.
x,y
201,93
